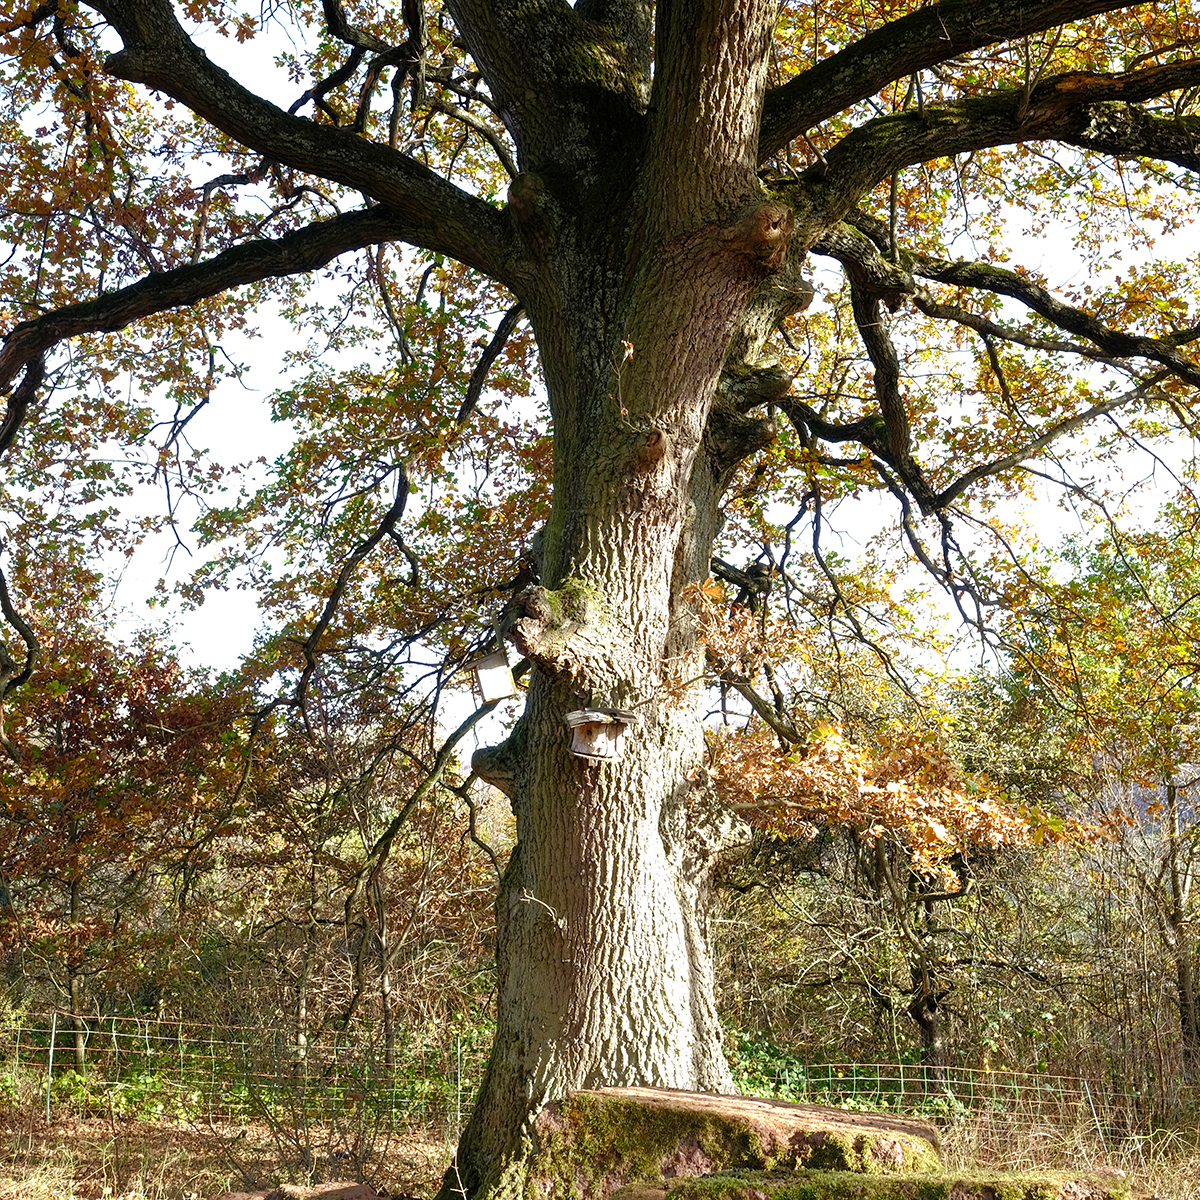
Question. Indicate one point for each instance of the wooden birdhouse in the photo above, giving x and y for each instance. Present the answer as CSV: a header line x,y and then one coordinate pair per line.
x,y
596,732
493,676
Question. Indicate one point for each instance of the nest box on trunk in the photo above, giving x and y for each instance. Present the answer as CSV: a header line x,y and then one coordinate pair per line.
x,y
596,732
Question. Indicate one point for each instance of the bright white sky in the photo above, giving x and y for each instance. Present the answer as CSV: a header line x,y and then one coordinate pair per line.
x,y
235,426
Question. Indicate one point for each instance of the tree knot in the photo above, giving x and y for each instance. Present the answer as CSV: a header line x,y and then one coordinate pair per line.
x,y
651,449
534,210
761,232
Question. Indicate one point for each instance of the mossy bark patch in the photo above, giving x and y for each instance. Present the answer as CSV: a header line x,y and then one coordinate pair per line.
x,y
843,1185
593,1142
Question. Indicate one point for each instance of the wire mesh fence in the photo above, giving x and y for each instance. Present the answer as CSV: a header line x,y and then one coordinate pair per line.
x,y
952,1091
1010,1119
151,1068
428,1077
1013,1106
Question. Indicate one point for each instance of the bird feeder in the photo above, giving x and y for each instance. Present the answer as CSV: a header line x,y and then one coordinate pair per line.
x,y
596,732
493,676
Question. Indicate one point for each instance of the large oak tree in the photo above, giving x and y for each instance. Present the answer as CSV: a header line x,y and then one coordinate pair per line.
x,y
670,167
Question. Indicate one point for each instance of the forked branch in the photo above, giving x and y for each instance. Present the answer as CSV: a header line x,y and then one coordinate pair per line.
x,y
437,215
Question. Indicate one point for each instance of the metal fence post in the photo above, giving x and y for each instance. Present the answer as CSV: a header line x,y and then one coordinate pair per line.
x,y
50,1063
1099,1127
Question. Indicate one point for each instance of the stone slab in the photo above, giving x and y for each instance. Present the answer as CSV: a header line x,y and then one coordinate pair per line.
x,y
313,1191
593,1143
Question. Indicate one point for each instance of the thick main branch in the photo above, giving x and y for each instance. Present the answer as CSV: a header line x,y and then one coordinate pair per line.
x,y
435,214
563,80
296,253
900,48
1096,111
708,88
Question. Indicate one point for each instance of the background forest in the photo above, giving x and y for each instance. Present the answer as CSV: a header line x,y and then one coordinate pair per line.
x,y
196,936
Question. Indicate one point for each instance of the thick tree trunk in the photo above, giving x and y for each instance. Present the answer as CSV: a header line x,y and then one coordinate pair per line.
x,y
605,970
605,974
926,1005
655,246
925,1010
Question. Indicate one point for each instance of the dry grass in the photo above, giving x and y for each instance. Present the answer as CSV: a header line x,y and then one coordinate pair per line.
x,y
87,1158
1164,1164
